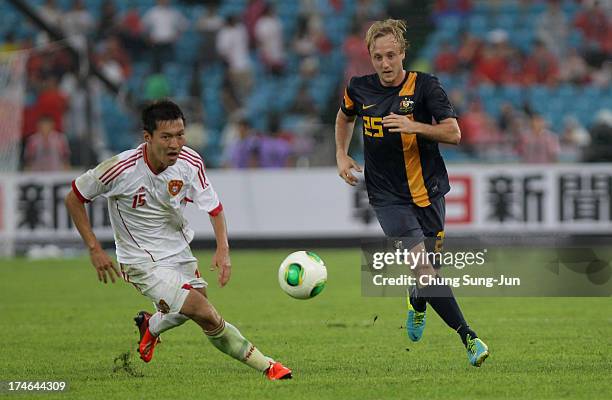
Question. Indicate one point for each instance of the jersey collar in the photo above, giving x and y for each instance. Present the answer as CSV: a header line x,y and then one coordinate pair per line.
x,y
406,73
146,158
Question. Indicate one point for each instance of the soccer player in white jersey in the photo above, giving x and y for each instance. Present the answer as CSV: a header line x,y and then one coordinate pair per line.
x,y
147,189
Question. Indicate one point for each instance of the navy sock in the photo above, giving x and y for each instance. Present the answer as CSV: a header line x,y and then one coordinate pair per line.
x,y
418,302
443,301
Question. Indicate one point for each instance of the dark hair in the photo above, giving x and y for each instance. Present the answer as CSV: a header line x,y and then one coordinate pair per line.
x,y
160,110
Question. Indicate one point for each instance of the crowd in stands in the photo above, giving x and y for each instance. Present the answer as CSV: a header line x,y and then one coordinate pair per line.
x,y
568,56
258,79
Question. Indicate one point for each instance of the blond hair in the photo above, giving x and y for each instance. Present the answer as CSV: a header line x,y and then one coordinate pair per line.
x,y
395,27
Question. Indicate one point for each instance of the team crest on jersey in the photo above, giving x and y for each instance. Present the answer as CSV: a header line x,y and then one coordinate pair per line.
x,y
175,186
406,106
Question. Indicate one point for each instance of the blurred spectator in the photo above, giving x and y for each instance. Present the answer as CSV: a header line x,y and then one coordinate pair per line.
x,y
156,85
233,49
553,28
77,23
574,139
269,39
311,39
574,68
477,129
52,60
208,25
164,25
469,51
492,66
243,152
309,68
516,62
600,149
303,102
594,22
52,102
47,149
367,11
446,60
50,13
110,68
131,32
541,67
108,20
275,148
303,43
444,8
357,55
196,135
114,60
603,76
252,12
511,121
230,98
538,145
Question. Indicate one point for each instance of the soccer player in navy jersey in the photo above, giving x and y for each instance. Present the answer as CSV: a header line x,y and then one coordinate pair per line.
x,y
405,175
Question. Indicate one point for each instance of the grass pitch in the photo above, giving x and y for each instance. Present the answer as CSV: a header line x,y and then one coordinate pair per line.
x,y
59,323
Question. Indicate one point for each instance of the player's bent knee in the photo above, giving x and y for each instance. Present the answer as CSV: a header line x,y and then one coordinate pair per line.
x,y
199,309
193,302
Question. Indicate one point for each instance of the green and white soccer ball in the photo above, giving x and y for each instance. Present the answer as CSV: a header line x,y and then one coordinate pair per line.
x,y
302,275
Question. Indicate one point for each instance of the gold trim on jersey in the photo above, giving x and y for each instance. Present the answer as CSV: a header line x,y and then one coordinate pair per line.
x,y
408,88
412,156
348,103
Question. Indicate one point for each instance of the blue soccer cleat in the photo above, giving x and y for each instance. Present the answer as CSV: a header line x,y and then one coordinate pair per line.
x,y
415,323
477,351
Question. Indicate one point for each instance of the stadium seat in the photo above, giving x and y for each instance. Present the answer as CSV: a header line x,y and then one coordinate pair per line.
x,y
513,94
478,25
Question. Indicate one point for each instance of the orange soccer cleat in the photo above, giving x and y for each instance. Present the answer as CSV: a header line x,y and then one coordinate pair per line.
x,y
277,371
147,340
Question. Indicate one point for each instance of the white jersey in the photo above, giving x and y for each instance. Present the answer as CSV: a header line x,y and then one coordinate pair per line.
x,y
146,209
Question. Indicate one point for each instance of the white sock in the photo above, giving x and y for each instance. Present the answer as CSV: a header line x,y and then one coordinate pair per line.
x,y
160,323
228,339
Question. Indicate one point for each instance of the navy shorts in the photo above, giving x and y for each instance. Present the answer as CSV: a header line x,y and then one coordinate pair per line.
x,y
416,224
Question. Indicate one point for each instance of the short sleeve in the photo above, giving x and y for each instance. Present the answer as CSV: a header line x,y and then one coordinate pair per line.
x,y
203,194
206,199
89,186
103,179
437,101
348,102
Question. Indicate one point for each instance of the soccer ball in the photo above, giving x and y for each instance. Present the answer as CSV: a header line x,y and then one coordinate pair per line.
x,y
302,275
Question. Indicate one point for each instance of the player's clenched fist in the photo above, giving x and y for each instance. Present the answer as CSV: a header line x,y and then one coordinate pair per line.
x,y
345,165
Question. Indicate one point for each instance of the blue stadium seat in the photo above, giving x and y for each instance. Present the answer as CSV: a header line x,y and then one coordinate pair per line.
x,y
539,94
513,94
566,92
504,21
478,24
450,23
537,7
486,91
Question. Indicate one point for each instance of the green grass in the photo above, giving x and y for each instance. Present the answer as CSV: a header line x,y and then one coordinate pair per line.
x,y
58,322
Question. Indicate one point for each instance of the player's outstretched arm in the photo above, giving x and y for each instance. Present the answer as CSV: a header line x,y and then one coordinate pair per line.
x,y
99,259
344,132
221,259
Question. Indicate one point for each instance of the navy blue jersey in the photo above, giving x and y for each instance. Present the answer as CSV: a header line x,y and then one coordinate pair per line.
x,y
400,168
